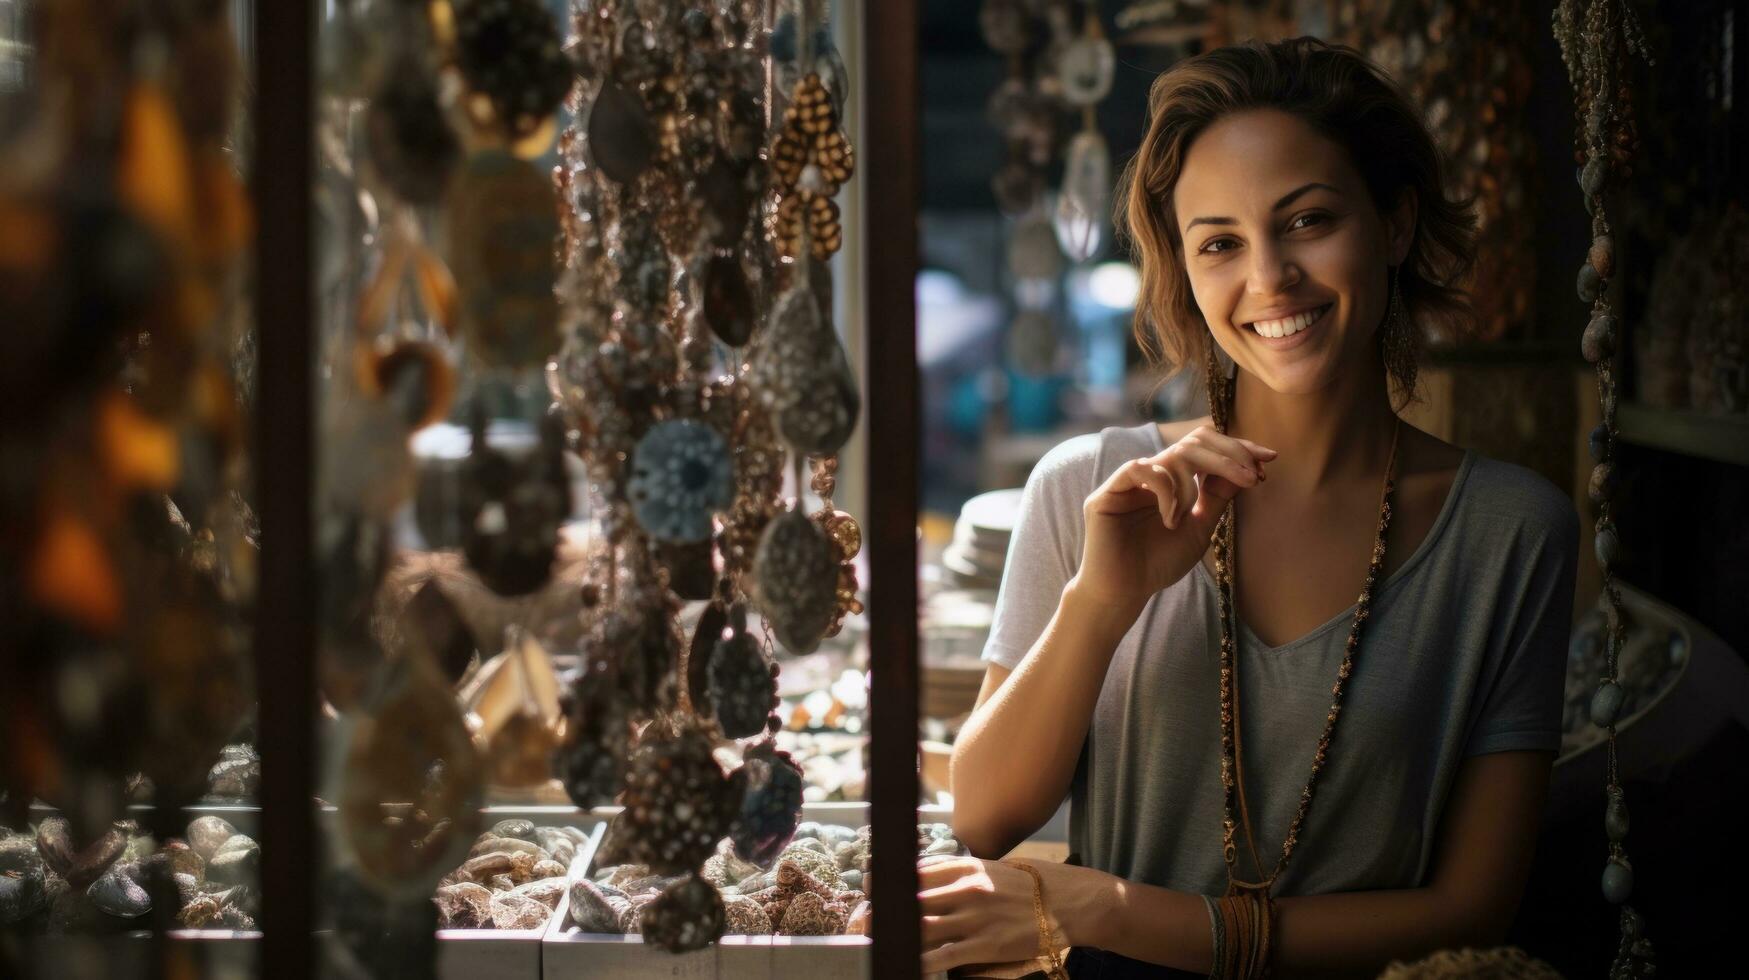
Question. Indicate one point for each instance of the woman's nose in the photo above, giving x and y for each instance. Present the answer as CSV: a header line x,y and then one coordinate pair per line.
x,y
1272,271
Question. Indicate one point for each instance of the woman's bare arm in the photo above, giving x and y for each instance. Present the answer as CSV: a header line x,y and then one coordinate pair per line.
x,y
1015,756
1487,838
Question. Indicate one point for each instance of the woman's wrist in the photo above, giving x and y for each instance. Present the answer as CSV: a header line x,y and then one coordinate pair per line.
x,y
1082,909
1108,617
1158,925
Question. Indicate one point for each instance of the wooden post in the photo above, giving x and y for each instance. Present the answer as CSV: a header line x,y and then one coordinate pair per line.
x,y
889,94
283,456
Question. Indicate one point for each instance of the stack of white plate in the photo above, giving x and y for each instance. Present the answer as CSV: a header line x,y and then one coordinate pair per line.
x,y
980,540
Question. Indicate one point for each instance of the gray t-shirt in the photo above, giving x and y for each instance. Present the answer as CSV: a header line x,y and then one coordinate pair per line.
x,y
1463,654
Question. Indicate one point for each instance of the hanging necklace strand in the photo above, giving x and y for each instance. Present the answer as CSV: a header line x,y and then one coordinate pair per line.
x,y
1232,772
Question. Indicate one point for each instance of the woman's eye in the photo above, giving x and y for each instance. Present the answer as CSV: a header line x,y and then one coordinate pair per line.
x,y
1310,219
1214,245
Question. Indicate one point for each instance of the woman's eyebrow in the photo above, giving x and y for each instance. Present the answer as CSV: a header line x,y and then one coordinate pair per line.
x,y
1286,200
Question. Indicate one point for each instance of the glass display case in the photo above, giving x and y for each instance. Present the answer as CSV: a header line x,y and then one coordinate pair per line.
x,y
439,435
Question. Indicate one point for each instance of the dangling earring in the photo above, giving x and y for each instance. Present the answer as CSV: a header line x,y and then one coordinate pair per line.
x,y
1214,379
1396,338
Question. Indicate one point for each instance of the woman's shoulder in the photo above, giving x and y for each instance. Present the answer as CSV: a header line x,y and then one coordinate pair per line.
x,y
1515,497
1085,460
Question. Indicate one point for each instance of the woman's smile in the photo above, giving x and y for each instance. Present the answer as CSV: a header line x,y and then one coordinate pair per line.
x,y
1286,333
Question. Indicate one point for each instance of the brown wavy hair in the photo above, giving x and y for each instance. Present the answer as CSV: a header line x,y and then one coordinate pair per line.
x,y
1350,100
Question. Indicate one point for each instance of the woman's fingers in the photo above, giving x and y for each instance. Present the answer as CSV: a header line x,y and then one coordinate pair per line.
x,y
1261,452
1160,481
946,957
1176,476
937,870
1251,455
941,899
1212,499
1214,437
1203,459
946,928
1136,484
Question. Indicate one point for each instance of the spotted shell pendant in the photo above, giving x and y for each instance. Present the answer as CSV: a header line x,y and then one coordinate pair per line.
x,y
678,804
742,680
805,379
771,804
680,477
796,577
686,915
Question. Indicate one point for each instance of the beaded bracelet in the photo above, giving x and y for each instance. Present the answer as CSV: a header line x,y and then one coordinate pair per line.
x,y
1244,928
1217,935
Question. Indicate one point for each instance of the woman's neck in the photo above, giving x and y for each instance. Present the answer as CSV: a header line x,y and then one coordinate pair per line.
x,y
1327,438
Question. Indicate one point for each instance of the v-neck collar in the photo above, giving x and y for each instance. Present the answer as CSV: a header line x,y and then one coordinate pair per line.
x,y
1347,615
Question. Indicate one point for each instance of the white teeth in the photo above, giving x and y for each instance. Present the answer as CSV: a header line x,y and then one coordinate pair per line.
x,y
1287,326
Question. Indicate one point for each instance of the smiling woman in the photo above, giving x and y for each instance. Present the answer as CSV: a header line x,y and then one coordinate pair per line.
x,y
1288,215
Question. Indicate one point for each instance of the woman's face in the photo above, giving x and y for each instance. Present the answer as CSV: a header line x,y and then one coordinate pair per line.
x,y
1281,237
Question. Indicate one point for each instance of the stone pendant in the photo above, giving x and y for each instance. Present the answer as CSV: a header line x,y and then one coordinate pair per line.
x,y
805,379
621,138
771,804
432,623
591,762
728,302
411,146
795,581
686,915
705,637
742,680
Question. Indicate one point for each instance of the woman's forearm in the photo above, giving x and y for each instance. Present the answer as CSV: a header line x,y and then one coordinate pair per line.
x,y
1014,758
1339,935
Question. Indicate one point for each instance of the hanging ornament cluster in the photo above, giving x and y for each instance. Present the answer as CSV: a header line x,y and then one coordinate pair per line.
x,y
456,97
1027,106
809,162
126,547
1597,38
686,216
1055,64
1085,67
1470,65
503,63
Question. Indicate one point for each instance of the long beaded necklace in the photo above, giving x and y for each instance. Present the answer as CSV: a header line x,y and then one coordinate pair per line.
x,y
1596,38
1232,774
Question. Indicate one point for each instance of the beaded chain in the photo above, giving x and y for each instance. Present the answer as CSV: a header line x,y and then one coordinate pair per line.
x,y
1232,778
1596,37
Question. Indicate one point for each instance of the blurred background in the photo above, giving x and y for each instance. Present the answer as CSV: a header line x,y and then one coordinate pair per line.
x,y
1025,299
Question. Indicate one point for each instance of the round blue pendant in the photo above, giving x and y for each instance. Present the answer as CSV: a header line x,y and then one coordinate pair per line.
x,y
680,476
